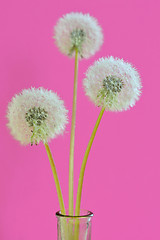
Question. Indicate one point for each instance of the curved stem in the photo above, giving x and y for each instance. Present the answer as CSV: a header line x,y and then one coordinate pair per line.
x,y
58,188
80,183
71,157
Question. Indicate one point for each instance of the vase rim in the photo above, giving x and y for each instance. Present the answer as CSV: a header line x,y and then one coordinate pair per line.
x,y
85,215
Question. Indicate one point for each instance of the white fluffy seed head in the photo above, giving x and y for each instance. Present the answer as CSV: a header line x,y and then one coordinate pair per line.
x,y
77,30
36,115
113,84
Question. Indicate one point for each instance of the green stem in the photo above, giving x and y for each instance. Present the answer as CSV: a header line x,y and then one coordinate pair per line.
x,y
58,188
71,157
79,191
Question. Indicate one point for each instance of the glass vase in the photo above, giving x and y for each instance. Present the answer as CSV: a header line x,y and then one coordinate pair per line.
x,y
74,227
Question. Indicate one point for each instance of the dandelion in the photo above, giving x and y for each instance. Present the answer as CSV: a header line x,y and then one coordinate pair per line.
x,y
78,31
113,84
36,115
77,35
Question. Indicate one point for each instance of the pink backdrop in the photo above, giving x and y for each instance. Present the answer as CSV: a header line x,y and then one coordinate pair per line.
x,y
122,180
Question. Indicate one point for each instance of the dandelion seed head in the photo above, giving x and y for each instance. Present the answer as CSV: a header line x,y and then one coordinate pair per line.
x,y
36,115
112,83
78,31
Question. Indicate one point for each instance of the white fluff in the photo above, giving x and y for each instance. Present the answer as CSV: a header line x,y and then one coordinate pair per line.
x,y
29,98
131,90
72,21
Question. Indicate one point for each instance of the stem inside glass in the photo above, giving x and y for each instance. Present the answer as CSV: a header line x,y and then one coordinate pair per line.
x,y
74,227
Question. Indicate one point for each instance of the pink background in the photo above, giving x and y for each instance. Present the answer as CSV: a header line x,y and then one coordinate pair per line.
x,y
122,180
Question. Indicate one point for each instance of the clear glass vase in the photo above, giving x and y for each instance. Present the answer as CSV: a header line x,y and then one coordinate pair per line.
x,y
74,227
